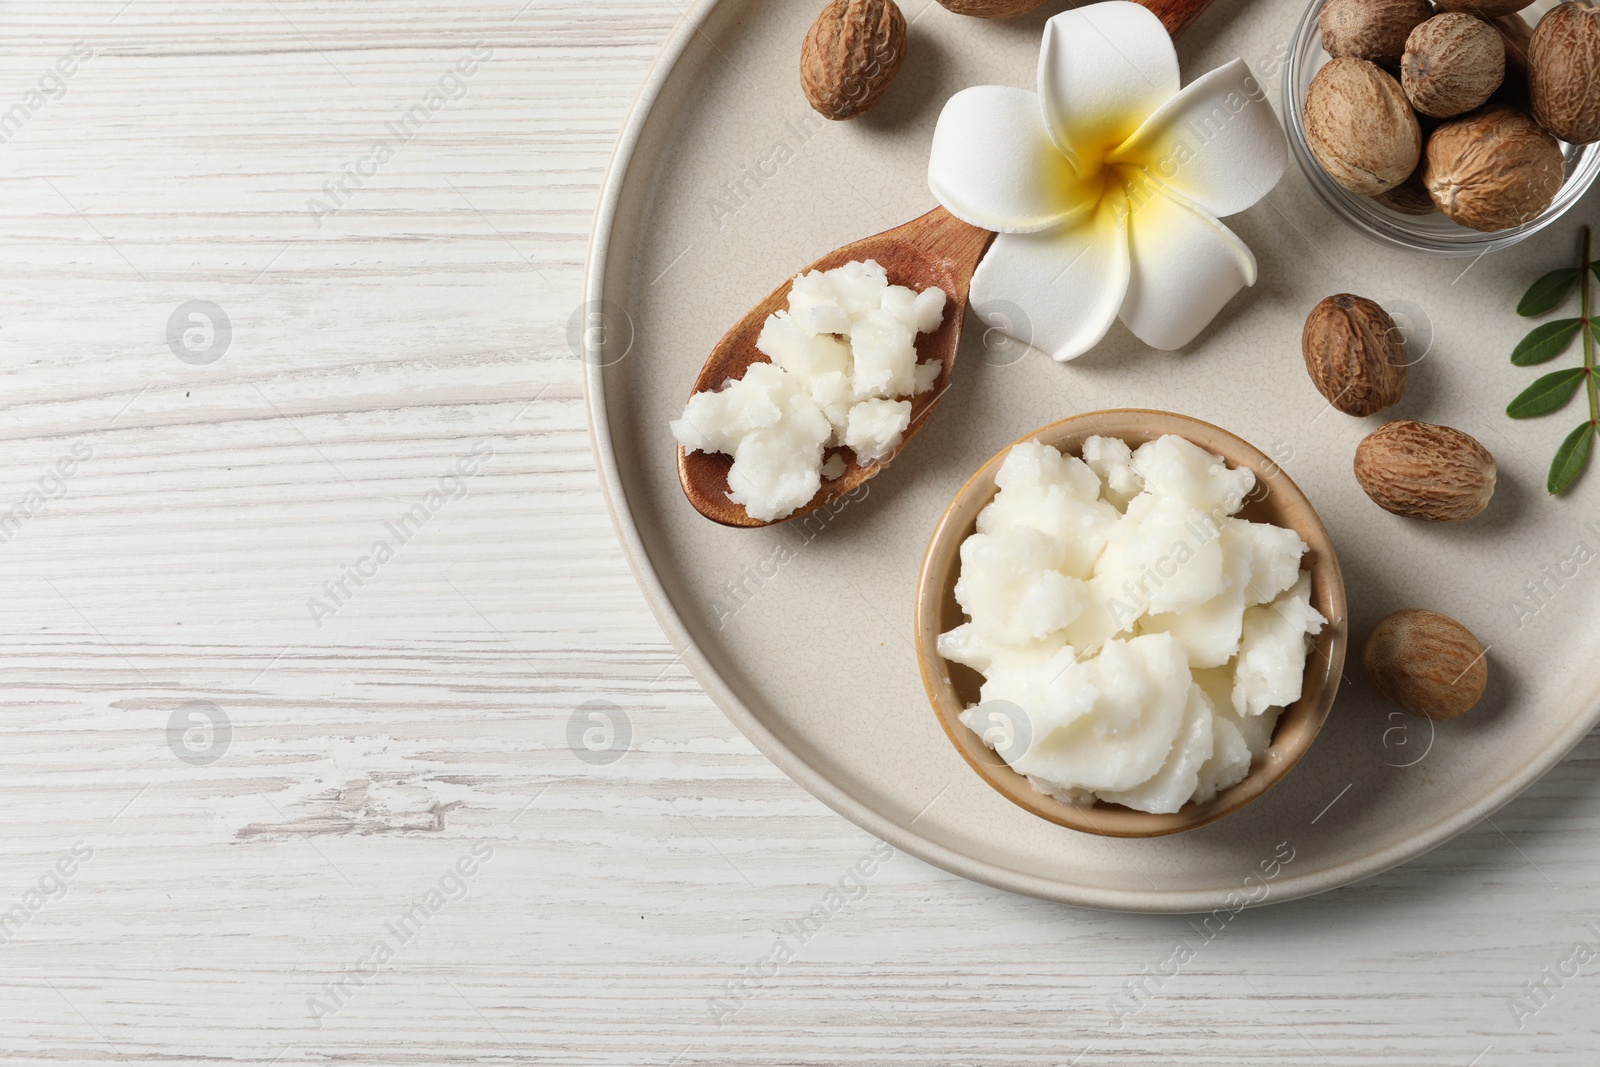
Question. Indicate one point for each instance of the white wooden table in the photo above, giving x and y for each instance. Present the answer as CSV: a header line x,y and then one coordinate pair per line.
x,y
302,615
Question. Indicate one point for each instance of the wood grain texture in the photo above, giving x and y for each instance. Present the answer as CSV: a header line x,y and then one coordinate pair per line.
x,y
624,905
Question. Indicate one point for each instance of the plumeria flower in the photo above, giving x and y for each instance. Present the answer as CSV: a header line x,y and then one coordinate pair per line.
x,y
1105,187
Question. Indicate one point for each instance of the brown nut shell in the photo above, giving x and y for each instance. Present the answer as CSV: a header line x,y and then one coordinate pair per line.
x,y
1453,63
1564,73
1517,36
1423,471
1493,169
992,9
1410,197
1483,9
1427,663
1355,354
851,54
1375,30
1360,126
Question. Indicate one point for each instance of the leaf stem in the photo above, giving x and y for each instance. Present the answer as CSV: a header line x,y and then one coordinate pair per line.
x,y
1588,333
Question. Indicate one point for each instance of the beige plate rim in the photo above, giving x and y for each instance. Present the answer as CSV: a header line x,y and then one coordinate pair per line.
x,y
815,779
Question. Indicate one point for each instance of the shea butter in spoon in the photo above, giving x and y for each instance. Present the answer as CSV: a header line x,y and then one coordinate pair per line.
x,y
936,251
838,392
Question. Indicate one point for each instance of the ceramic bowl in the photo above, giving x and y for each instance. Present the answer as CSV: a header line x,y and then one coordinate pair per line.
x,y
952,687
1434,234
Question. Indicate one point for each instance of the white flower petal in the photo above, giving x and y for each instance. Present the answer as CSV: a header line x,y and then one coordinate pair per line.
x,y
1102,70
1217,142
993,164
1059,290
1185,265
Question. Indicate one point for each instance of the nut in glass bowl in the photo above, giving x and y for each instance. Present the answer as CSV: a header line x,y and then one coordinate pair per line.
x,y
1393,218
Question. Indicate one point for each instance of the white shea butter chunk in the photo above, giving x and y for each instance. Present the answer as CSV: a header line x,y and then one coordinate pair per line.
x,y
815,305
778,469
886,355
1108,723
844,353
1112,460
806,356
1178,779
1148,637
875,426
1272,650
1209,632
1235,741
1057,495
1259,561
1270,556
1013,581
1174,467
1162,556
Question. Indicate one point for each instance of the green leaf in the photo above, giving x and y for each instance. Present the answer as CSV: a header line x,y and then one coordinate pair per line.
x,y
1548,292
1546,342
1570,458
1546,394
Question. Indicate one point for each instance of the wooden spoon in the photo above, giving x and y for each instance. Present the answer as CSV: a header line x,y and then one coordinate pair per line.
x,y
937,249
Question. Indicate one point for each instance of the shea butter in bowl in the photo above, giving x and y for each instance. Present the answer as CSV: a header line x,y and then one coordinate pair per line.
x,y
1139,615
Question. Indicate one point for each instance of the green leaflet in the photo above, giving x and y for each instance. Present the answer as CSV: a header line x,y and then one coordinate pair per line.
x,y
1546,342
1549,340
1570,458
1548,292
1547,394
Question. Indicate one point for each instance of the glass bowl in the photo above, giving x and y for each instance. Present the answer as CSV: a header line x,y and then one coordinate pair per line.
x,y
1434,234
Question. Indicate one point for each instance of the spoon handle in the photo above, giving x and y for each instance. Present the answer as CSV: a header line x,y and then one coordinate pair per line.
x,y
1176,15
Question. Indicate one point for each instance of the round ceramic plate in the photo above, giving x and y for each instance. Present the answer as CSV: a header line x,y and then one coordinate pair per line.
x,y
724,182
